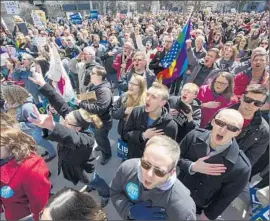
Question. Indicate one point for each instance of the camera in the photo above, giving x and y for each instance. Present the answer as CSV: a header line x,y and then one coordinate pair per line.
x,y
181,106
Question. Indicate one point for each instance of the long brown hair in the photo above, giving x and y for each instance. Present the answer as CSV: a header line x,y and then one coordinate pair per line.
x,y
19,144
15,94
130,101
228,92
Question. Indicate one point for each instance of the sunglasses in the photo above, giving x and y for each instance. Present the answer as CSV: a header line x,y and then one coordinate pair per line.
x,y
231,128
249,100
158,172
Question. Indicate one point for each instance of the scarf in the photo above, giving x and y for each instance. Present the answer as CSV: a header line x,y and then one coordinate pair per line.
x,y
165,186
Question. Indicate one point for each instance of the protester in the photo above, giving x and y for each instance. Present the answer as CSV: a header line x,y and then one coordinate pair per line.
x,y
75,144
149,120
147,188
217,95
70,204
186,119
108,59
102,107
256,74
155,64
17,97
135,96
123,61
24,182
139,67
212,166
203,70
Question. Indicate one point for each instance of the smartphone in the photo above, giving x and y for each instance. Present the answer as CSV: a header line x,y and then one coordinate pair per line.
x,y
183,107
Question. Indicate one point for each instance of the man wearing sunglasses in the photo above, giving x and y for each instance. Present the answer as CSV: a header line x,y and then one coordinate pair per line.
x,y
254,138
148,189
212,165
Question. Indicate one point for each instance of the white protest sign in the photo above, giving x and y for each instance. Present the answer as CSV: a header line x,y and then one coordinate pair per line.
x,y
41,41
12,7
36,20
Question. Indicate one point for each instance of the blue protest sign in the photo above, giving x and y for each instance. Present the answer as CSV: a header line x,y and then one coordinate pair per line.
x,y
76,18
93,14
122,149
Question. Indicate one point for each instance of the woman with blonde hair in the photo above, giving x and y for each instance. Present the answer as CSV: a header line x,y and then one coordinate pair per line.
x,y
135,96
75,142
24,182
19,98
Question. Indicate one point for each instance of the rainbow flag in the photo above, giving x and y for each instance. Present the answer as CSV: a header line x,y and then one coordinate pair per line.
x,y
179,65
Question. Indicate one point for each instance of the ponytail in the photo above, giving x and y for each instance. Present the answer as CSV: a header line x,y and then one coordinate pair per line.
x,y
91,118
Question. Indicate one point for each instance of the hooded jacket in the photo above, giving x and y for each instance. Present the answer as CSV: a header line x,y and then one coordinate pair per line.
x,y
137,124
103,105
184,127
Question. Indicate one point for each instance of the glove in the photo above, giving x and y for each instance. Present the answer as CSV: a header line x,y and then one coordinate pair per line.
x,y
145,211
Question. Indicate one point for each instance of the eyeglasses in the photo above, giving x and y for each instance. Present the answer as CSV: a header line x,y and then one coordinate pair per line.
x,y
221,83
231,128
158,172
257,103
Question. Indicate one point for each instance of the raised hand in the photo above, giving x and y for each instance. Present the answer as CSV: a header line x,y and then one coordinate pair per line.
x,y
37,78
42,120
188,43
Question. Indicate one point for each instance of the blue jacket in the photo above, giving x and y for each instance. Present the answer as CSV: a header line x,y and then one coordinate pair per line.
x,y
31,87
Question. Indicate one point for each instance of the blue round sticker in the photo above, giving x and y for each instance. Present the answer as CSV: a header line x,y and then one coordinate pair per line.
x,y
6,192
132,190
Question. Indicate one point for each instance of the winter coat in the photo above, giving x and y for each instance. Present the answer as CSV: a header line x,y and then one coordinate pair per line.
x,y
118,113
108,60
103,105
127,189
137,124
242,80
205,95
196,66
254,139
25,187
31,87
74,148
123,82
184,127
154,64
118,62
213,194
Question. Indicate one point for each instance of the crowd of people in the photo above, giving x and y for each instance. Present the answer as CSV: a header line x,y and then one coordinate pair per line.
x,y
191,147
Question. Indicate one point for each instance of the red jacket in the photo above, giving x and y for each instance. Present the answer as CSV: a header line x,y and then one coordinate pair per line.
x,y
205,95
242,80
25,187
117,65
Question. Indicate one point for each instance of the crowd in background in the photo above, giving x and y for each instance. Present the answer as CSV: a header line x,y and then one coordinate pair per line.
x,y
228,68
